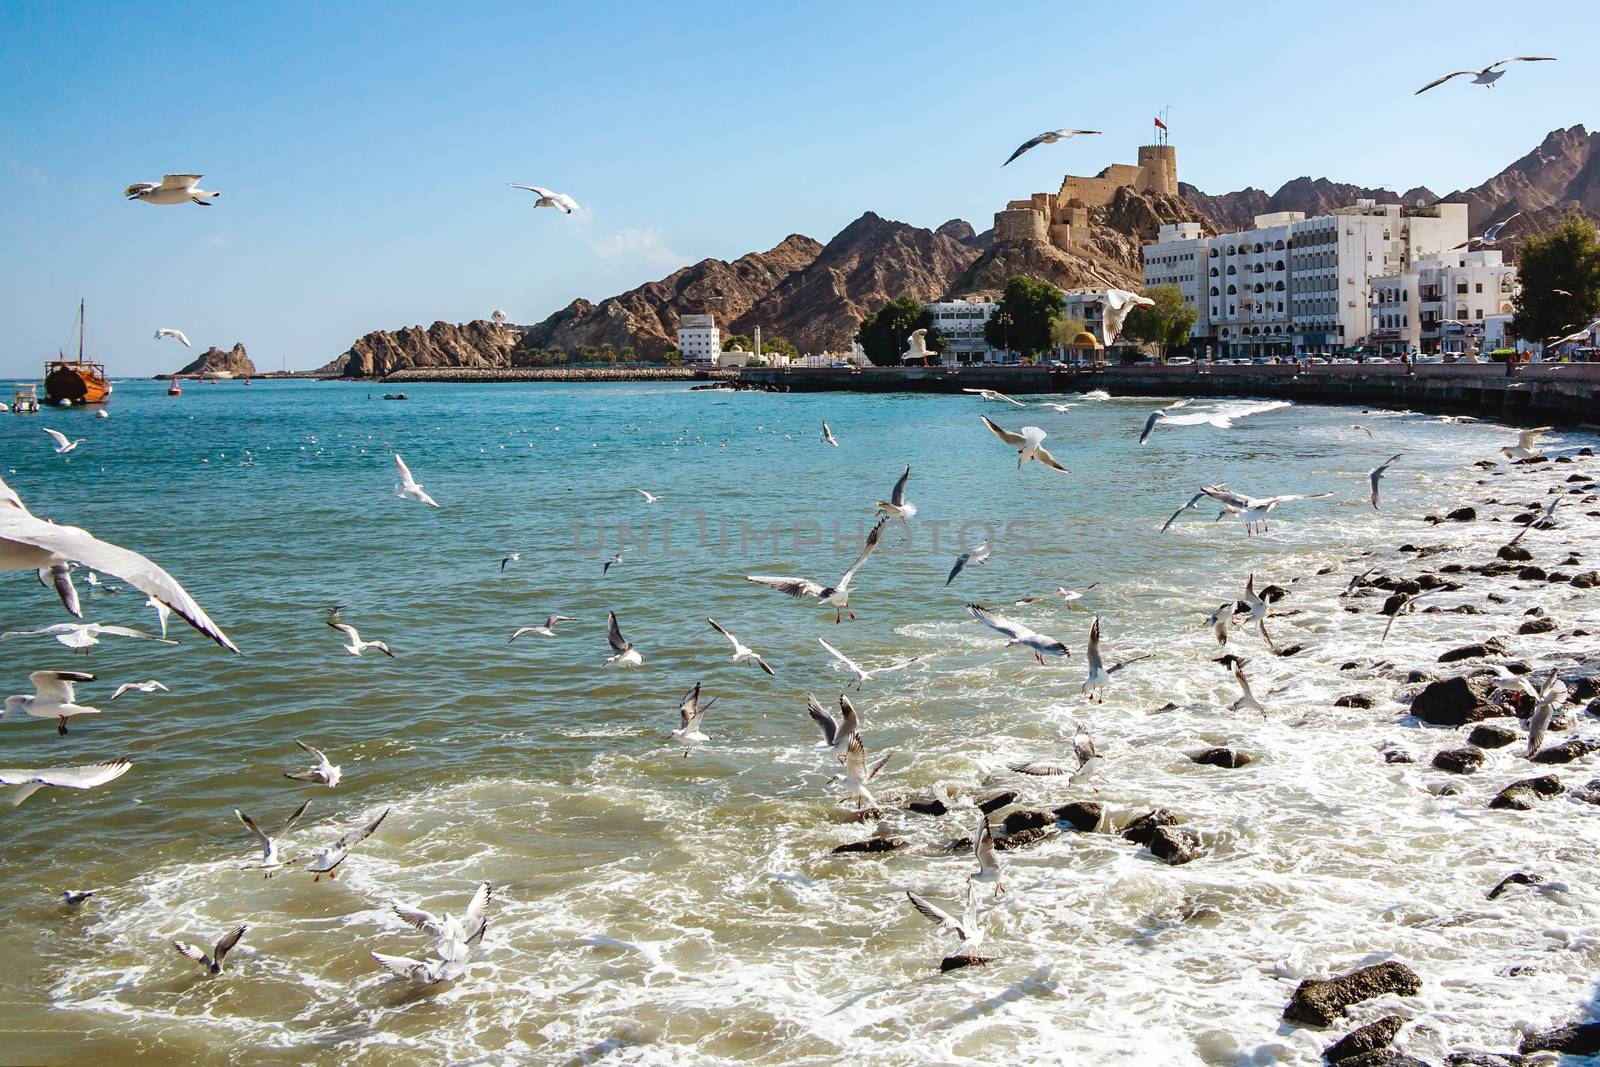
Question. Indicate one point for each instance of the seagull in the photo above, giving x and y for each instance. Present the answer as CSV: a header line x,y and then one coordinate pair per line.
x,y
1118,303
1061,408
1222,418
1542,521
515,557
854,668
271,857
84,636
858,774
1549,697
326,861
455,936
1029,444
1190,506
917,350
990,394
897,505
355,646
63,445
1047,137
627,656
1094,686
58,576
549,198
1405,606
967,929
547,630
54,698
432,971
213,962
171,189
1219,621
407,488
649,498
1527,444
30,780
1247,699
691,711
1251,510
325,772
1363,429
1490,236
1071,596
836,734
742,653
983,849
1089,761
836,595
1018,634
1488,75
1258,610
75,897
176,335
827,435
1376,474
150,686
975,556
1357,582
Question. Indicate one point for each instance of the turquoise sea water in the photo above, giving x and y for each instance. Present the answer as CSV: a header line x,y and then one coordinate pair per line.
x,y
655,908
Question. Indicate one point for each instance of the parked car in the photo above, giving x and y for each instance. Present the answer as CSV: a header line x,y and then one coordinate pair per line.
x,y
1180,361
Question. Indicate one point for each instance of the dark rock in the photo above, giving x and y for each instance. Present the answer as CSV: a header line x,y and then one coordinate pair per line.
x,y
1492,647
964,959
1590,793
1514,878
995,801
1081,815
1558,576
1142,829
1584,688
1585,451
1519,667
1453,568
1174,845
1566,752
1537,626
1446,789
1459,760
1514,553
1018,821
1417,676
1292,650
1364,1039
1567,459
1320,1002
1575,1039
1221,757
1350,665
1520,796
1485,1059
927,806
1024,838
875,845
1433,581
1354,700
1168,706
1586,580
1462,515
1409,586
1487,735
1455,702
1532,573
1272,593
1394,755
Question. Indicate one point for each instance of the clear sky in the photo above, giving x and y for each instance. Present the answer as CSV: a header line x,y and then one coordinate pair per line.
x,y
363,151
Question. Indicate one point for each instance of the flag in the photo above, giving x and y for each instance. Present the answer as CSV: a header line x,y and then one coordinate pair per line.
x,y
1161,124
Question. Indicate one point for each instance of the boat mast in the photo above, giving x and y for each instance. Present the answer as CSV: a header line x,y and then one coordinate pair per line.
x,y
80,329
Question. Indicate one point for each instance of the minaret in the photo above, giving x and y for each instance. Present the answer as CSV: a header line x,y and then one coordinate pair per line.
x,y
757,338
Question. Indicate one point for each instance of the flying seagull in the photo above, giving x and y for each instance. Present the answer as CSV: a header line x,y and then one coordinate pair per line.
x,y
1258,609
836,733
1220,620
1406,605
171,189
1364,429
611,561
1029,444
353,643
1087,757
429,972
649,498
1222,418
626,655
858,774
84,636
690,713
1071,596
1253,511
455,935
991,394
1488,75
326,772
1118,304
63,445
1552,693
1247,699
1541,522
149,686
514,557
213,962
967,929
408,488
1047,137
1192,505
863,676
1357,582
547,630
549,198
1527,446
1376,474
1094,686
973,556
827,435
897,506
837,596
742,653
1491,235
326,861
176,335
54,698
983,849
917,350
271,856
1018,634
30,780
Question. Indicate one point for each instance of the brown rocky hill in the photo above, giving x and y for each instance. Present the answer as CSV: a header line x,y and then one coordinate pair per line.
x,y
1561,174
870,262
444,344
215,361
1314,196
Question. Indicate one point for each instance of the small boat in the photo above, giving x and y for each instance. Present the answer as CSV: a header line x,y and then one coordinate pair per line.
x,y
25,399
68,382
394,396
173,389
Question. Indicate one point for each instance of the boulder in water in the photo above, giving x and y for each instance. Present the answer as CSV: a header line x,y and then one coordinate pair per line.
x,y
1459,760
1174,845
1320,1002
1567,751
1143,828
872,846
1520,796
1455,702
1574,1039
1492,647
1221,757
1081,815
1488,735
1355,1048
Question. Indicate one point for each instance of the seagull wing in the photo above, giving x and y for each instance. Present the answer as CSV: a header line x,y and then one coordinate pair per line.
x,y
1150,425
614,636
1014,630
898,497
983,847
717,627
936,914
84,777
192,952
540,190
1441,81
961,561
819,715
689,711
1291,496
873,537
1043,769
288,824
60,438
405,472
225,946
314,753
171,182
355,837
1015,440
1032,142
1527,438
1519,59
1096,664
419,919
250,824
840,656
799,588
403,967
56,686
1043,455
1187,507
128,631
1234,501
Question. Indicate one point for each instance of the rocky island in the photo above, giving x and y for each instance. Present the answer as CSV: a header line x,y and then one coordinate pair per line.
x,y
234,363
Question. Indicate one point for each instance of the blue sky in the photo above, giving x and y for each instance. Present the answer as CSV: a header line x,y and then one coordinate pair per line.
x,y
363,151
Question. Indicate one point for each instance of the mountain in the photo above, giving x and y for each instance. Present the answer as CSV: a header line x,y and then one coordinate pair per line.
x,y
215,361
1561,174
444,344
1314,196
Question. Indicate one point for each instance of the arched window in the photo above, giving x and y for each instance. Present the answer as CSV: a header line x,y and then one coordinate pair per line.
x,y
1278,246
1232,269
1231,250
1214,253
1213,272
1258,247
1279,264
1259,287
1214,291
1232,291
1278,286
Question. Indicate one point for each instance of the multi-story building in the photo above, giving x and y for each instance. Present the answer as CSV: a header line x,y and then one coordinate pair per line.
x,y
1444,303
699,339
1178,257
961,322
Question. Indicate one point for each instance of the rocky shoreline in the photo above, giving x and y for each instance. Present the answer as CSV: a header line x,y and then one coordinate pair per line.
x,y
553,374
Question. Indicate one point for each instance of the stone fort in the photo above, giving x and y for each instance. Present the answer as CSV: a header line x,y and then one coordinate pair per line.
x,y
1062,217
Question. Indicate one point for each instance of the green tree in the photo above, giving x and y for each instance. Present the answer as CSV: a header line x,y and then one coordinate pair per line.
x,y
778,346
1064,329
673,358
883,333
1165,324
739,340
1560,275
1027,313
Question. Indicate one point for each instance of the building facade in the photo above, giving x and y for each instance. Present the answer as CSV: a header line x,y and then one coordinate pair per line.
x,y
1062,217
699,339
1179,257
961,322
1447,303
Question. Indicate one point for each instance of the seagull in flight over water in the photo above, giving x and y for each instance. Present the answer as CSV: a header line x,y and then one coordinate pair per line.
x,y
1047,137
1017,634
1527,446
354,645
213,962
84,636
29,780
827,435
991,394
547,630
1247,699
973,556
1087,757
897,506
1094,686
691,710
54,698
742,653
326,772
983,850
1029,444
1375,475
63,445
408,488
837,596
271,855
836,733
967,928
626,655
1253,511
649,498
863,676
1258,610
326,861
150,686
176,335
1488,75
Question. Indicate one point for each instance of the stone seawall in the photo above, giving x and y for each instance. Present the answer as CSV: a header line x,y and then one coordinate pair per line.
x,y
1564,393
559,374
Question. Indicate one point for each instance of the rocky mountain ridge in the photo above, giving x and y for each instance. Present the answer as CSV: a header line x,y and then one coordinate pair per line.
x,y
234,361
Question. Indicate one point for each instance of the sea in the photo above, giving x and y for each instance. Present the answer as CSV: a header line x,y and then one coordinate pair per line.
x,y
650,907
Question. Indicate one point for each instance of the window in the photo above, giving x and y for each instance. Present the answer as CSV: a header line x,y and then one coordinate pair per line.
x,y
1480,287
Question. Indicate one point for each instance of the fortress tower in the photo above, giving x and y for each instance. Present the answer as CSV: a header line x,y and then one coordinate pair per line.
x,y
1062,217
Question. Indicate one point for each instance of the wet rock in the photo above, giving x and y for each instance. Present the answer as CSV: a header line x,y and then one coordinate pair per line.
x,y
1355,700
1566,752
1455,702
1532,573
1174,845
1532,461
1520,796
1445,789
963,959
1514,878
1459,760
1453,568
1417,676
1394,603
1589,793
1394,755
995,801
1221,757
1492,647
1586,580
1488,735
1358,1043
1292,650
1565,459
1514,553
1409,586
1433,581
1585,451
1484,464
1168,706
1574,1039
1018,821
1024,838
872,845
1485,1059
1462,515
1081,815
1518,667
1577,477
1459,609
927,806
1320,1002
1272,593
1558,576
1584,688
1349,665
1142,829
1537,626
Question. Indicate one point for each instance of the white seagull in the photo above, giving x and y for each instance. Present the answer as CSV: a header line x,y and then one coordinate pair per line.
x,y
353,643
742,653
1253,511
1220,620
326,861
691,710
649,498
54,698
1029,444
1375,475
1047,137
1527,446
863,676
1018,634
836,596
1071,596
326,772
972,557
84,636
1551,694
917,348
983,849
455,935
171,189
547,630
176,335
1247,699
1087,757
509,558
1094,686
271,857
1118,303
29,780
1258,609
990,394
967,928
1490,236
213,962
1192,505
614,559
150,686
827,435
1488,75
408,488
836,733
626,655
858,774
549,198
1222,418
429,972
63,445
897,506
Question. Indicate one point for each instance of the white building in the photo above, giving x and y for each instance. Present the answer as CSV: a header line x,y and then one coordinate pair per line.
x,y
1178,257
699,339
961,322
1446,303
